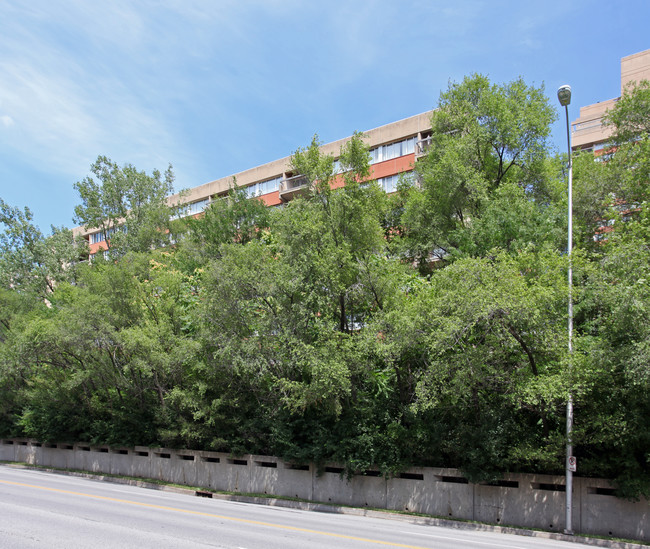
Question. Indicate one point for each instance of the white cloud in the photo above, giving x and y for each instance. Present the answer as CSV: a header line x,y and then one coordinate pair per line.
x,y
67,88
7,121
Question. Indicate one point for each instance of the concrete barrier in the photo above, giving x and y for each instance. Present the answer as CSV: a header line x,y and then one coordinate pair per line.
x,y
433,491
7,450
89,458
603,513
183,468
533,501
364,490
61,455
26,452
234,474
141,462
208,470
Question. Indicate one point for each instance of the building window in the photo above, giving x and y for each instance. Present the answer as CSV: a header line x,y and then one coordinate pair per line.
x,y
389,183
197,207
193,208
96,238
263,187
393,150
104,253
101,236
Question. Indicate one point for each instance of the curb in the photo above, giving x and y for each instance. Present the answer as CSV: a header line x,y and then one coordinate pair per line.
x,y
341,510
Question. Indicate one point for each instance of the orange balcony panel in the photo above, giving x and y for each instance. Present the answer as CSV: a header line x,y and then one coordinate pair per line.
x,y
393,167
271,199
94,248
338,182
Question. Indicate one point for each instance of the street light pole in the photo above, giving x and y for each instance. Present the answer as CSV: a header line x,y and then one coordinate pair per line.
x,y
564,96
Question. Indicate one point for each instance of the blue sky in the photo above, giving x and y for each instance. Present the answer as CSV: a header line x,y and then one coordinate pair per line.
x,y
216,87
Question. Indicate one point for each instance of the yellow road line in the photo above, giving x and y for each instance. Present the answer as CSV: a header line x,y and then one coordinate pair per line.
x,y
211,515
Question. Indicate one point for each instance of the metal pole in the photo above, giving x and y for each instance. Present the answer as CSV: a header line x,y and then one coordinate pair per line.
x,y
569,406
564,96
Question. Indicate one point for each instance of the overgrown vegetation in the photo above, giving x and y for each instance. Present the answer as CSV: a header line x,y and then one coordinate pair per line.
x,y
423,328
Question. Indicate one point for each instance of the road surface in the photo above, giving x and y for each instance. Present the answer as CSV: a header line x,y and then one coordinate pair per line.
x,y
41,509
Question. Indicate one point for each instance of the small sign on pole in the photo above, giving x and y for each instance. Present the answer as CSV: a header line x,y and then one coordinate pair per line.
x,y
572,464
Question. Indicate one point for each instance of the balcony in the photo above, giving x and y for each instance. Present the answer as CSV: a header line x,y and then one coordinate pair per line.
x,y
587,125
422,146
290,187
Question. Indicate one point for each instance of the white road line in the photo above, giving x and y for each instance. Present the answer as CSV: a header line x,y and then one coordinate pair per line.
x,y
460,540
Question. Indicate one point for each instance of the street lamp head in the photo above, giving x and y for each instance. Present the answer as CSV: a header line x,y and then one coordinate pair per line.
x,y
564,95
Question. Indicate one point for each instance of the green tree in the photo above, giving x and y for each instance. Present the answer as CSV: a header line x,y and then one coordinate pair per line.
x,y
630,117
484,136
483,346
330,235
612,195
233,218
630,157
29,261
305,332
612,413
613,187
102,360
128,206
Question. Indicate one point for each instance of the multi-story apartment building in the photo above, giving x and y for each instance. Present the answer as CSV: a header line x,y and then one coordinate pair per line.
x,y
588,132
394,149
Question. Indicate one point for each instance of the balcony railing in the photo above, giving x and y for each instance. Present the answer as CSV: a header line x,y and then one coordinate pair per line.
x,y
587,125
293,186
422,146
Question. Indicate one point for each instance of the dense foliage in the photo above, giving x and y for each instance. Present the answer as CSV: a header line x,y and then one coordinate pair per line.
x,y
423,328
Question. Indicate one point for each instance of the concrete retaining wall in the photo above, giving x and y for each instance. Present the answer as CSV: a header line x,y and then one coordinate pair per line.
x,y
534,501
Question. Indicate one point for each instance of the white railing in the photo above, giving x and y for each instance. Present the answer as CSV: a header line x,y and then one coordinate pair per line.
x,y
290,185
422,146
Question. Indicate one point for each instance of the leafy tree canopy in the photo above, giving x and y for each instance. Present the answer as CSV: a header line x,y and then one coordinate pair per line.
x,y
630,117
306,332
231,219
128,206
484,136
30,261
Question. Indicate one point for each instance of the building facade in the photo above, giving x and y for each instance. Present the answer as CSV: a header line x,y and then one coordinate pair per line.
x,y
394,149
587,131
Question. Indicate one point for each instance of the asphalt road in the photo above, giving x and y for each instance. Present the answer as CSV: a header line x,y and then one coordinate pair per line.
x,y
41,509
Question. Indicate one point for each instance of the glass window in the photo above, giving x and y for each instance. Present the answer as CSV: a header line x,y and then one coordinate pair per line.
x,y
389,183
96,238
192,208
263,187
197,207
392,150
